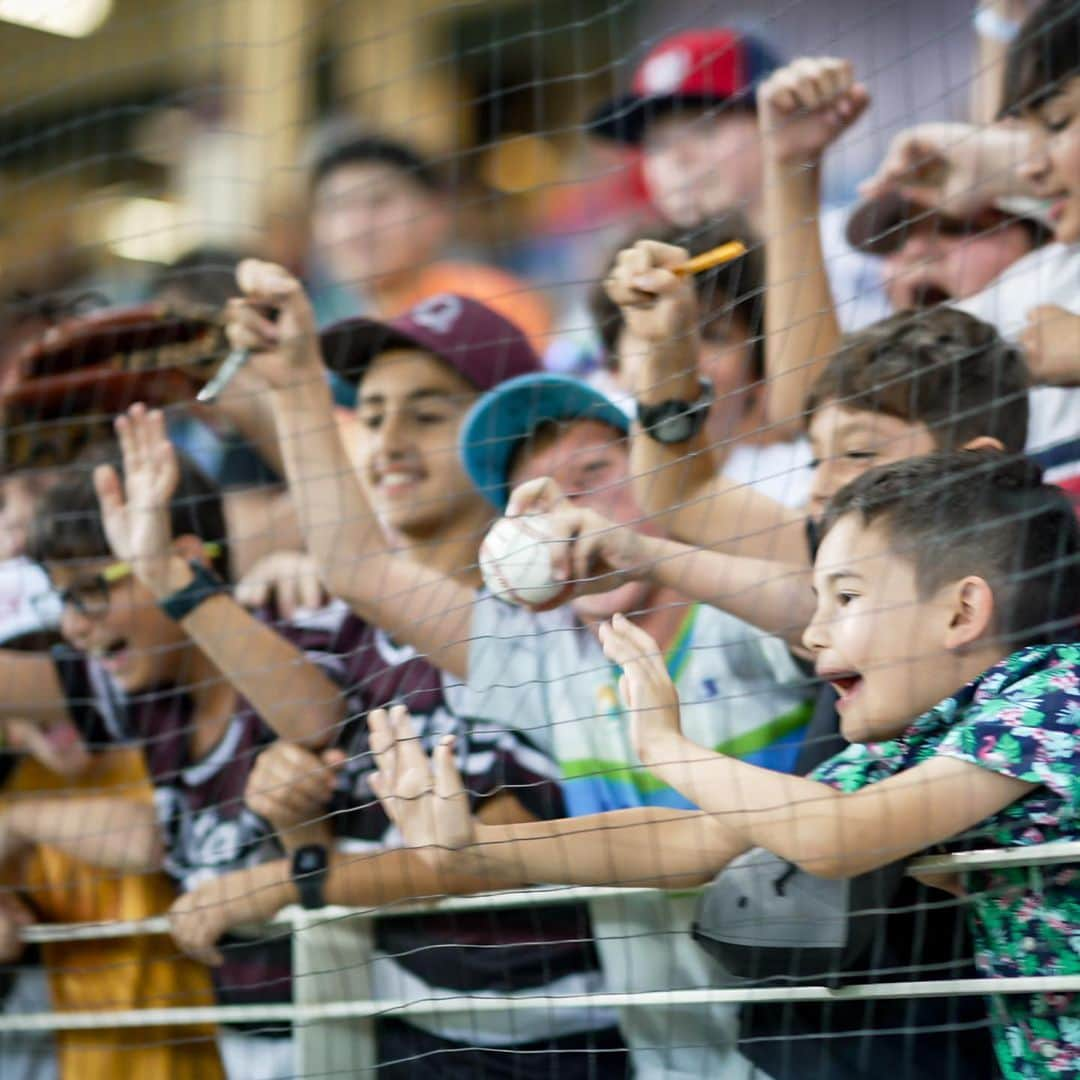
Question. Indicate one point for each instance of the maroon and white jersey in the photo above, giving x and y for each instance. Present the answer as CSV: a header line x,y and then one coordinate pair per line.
x,y
206,828
543,951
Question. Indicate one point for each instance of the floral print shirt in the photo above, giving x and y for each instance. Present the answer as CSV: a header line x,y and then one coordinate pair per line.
x,y
1020,718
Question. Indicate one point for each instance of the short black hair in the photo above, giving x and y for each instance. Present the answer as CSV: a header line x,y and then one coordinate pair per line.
x,y
984,513
1043,56
380,150
735,289
67,523
943,368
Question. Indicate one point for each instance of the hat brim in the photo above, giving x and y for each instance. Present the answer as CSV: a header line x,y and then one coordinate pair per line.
x,y
625,119
496,425
348,347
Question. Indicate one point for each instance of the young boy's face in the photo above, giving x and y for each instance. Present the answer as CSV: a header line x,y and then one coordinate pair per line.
x,y
121,625
591,463
1055,168
873,638
941,259
846,442
410,409
698,163
371,221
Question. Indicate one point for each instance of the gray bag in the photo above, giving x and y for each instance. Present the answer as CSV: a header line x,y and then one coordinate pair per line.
x,y
764,918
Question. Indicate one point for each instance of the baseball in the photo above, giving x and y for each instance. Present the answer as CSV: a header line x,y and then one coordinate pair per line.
x,y
515,560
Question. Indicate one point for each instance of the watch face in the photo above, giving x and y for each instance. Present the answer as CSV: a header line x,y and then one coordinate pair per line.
x,y
309,860
673,429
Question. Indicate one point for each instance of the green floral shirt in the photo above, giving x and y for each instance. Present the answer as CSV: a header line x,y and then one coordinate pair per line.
x,y
1020,718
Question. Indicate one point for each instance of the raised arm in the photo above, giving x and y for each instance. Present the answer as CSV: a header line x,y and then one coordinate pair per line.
x,y
290,692
802,109
678,484
410,602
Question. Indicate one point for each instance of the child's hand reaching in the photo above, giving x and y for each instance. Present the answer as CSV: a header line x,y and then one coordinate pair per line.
x,y
646,687
135,514
596,554
425,798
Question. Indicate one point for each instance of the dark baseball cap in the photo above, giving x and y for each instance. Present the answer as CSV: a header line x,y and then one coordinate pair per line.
x,y
879,226
694,68
496,425
477,342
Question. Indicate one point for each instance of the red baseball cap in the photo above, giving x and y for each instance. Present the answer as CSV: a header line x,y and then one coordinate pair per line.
x,y
696,67
476,341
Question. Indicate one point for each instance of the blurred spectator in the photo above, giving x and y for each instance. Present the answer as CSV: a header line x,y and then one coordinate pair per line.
x,y
381,221
692,112
731,355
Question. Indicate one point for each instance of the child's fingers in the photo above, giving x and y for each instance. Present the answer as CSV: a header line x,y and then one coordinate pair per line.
x,y
383,747
537,496
265,280
447,777
108,489
410,751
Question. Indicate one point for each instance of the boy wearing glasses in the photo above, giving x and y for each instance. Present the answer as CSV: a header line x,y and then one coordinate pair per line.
x,y
141,567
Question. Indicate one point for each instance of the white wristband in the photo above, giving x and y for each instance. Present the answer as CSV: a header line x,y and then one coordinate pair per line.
x,y
989,24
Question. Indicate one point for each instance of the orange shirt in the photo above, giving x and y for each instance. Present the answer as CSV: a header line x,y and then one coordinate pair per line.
x,y
121,973
509,296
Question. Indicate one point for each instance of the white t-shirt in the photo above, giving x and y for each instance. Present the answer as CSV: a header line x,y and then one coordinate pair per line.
x,y
780,470
1048,275
28,602
741,692
855,278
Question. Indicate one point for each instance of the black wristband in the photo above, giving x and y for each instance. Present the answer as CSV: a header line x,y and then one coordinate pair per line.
x,y
205,583
675,421
310,865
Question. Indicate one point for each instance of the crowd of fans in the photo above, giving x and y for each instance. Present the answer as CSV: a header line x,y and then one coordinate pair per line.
x,y
814,515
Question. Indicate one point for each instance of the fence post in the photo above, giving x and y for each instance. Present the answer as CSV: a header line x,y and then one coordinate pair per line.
x,y
331,951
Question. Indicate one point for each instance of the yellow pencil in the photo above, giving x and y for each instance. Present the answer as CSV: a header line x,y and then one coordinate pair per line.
x,y
708,259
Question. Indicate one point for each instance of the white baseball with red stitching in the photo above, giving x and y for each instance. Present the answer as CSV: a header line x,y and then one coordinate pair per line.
x,y
515,560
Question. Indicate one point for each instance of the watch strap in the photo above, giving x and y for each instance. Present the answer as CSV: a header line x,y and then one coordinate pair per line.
x,y
204,584
675,420
309,868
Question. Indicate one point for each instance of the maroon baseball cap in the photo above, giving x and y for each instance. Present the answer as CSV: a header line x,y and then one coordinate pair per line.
x,y
694,68
477,342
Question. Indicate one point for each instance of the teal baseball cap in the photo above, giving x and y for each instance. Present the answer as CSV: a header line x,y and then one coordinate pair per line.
x,y
504,417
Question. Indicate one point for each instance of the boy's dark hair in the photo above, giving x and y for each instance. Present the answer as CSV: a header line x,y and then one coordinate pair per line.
x,y
67,523
943,367
733,290
985,513
377,150
1042,57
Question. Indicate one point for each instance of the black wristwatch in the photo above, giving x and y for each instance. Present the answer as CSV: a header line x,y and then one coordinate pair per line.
x,y
676,421
204,584
309,868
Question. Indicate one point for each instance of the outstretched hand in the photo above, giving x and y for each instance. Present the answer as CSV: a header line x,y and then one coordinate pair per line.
x,y
135,513
645,686
424,797
593,552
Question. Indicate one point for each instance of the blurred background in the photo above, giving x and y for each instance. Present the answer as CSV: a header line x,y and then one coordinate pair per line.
x,y
133,130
